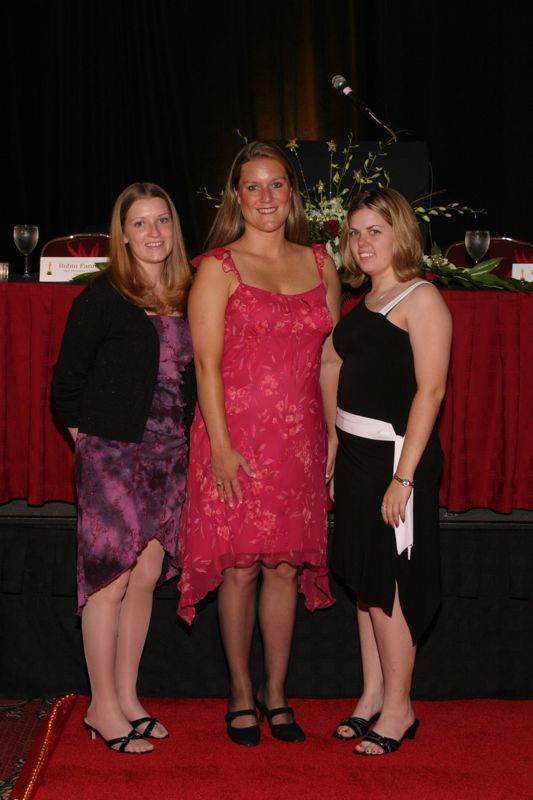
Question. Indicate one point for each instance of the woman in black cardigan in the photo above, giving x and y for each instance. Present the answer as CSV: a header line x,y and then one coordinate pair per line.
x,y
118,386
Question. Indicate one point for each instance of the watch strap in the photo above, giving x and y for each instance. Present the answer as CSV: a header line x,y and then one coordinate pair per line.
x,y
404,481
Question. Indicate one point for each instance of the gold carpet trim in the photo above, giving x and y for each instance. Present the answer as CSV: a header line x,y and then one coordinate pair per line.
x,y
42,748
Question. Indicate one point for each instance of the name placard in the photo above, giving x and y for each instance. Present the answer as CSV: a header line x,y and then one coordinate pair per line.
x,y
61,269
522,272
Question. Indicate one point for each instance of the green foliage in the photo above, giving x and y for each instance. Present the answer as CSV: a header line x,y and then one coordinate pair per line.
x,y
478,277
84,277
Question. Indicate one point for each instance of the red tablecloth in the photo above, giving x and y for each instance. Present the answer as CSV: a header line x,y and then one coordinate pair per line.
x,y
35,454
486,424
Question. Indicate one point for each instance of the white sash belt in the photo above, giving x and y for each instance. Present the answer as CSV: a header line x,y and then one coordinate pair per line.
x,y
382,431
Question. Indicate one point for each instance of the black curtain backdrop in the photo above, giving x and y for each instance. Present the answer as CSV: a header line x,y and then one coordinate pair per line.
x,y
97,95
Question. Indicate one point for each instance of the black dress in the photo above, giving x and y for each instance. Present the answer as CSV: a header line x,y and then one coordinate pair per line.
x,y
377,380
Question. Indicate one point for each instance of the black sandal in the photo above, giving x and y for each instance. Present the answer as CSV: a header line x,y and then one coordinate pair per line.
x,y
147,733
122,741
387,744
358,725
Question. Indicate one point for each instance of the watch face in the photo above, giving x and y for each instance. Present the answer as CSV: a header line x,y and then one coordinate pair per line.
x,y
403,481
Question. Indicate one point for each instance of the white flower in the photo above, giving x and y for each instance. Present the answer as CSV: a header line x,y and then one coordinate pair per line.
x,y
334,253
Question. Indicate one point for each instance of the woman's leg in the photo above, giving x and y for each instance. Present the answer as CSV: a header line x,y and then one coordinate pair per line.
x,y
236,615
100,624
397,657
371,699
133,623
277,611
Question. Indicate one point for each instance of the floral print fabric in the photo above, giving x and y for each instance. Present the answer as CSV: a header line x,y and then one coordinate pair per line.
x,y
128,492
270,368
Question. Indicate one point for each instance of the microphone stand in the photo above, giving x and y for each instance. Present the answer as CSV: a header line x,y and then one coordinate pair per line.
x,y
379,121
339,82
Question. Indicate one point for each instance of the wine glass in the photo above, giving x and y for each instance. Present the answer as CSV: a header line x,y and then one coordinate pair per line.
x,y
477,243
26,238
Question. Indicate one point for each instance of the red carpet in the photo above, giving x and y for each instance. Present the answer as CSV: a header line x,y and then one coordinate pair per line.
x,y
464,750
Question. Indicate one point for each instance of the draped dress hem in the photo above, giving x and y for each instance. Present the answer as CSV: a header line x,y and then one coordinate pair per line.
x,y
131,493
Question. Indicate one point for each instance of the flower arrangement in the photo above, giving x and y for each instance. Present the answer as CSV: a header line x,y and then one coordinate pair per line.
x,y
326,206
326,203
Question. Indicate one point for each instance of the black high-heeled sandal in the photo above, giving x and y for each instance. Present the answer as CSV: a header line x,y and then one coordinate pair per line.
x,y
249,736
148,731
122,741
284,731
387,744
358,725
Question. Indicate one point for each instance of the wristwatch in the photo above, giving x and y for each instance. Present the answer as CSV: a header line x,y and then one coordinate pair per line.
x,y
404,481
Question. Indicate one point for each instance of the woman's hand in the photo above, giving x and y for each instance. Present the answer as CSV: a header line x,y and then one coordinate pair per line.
x,y
225,466
394,503
332,453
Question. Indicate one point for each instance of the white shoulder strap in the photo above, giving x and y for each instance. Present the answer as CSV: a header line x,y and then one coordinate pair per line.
x,y
398,299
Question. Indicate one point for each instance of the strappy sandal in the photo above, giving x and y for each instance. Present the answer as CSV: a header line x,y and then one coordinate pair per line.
x,y
148,731
387,744
122,741
358,725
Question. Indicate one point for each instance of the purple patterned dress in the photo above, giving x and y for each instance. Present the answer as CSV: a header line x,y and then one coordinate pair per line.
x,y
129,492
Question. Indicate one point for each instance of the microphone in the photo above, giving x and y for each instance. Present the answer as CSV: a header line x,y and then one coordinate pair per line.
x,y
339,82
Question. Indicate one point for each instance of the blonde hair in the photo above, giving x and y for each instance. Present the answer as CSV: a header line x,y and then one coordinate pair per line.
x,y
126,273
407,248
228,224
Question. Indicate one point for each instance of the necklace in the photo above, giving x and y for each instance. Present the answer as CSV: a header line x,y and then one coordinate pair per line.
x,y
382,295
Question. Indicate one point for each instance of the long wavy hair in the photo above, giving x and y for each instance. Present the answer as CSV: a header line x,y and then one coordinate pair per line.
x,y
228,224
407,248
125,272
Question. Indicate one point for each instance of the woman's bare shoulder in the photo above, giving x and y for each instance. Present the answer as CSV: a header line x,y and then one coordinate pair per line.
x,y
218,261
426,301
426,292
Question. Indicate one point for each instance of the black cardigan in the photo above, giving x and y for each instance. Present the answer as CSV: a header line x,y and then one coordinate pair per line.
x,y
105,375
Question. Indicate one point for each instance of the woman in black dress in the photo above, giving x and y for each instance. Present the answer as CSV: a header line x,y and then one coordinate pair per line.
x,y
395,348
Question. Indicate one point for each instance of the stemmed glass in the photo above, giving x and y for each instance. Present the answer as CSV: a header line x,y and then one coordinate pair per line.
x,y
477,243
26,238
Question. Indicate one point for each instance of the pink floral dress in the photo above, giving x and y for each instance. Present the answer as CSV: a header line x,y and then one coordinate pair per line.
x,y
270,368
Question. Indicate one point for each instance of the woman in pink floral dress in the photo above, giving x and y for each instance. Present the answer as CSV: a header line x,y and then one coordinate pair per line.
x,y
263,439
